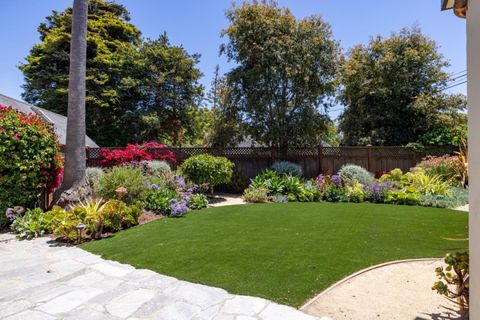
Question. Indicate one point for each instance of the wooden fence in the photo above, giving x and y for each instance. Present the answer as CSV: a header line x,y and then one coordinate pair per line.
x,y
251,161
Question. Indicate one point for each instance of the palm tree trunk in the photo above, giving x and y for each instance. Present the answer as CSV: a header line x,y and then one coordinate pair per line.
x,y
75,155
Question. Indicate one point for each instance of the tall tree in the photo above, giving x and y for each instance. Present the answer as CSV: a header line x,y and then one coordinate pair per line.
x,y
226,127
381,85
75,156
112,70
449,119
171,93
285,73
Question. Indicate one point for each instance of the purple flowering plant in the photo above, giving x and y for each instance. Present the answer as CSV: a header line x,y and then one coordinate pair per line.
x,y
377,192
324,181
13,213
178,207
179,182
336,180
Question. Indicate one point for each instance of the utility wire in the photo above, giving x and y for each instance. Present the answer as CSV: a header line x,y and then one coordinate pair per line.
x,y
454,74
454,85
456,78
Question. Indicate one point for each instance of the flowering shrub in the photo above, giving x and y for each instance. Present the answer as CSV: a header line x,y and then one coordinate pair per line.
x,y
136,153
449,168
378,191
12,213
174,198
324,181
412,188
178,207
29,159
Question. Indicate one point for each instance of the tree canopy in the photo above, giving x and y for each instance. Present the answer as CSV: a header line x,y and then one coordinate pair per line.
x,y
111,44
171,92
392,89
130,81
450,125
285,73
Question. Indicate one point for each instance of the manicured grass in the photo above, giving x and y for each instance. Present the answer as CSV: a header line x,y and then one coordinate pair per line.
x,y
284,252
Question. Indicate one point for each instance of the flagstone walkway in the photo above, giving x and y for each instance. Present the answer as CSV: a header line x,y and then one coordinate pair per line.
x,y
42,279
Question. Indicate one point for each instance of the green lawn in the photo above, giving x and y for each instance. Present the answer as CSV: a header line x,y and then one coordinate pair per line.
x,y
284,252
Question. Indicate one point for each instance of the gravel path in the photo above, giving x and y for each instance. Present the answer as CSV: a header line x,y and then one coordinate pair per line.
x,y
463,208
225,199
393,292
42,279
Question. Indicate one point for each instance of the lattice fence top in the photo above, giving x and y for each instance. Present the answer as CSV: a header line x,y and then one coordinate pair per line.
x,y
297,153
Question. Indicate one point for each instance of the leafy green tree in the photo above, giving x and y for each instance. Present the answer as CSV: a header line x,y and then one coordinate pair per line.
x,y
285,73
389,88
450,127
226,128
110,79
203,121
331,134
171,92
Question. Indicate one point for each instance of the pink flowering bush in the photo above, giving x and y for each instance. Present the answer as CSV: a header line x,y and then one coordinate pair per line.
x,y
449,168
135,153
29,160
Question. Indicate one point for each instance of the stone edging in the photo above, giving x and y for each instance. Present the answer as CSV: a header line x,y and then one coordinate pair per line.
x,y
353,275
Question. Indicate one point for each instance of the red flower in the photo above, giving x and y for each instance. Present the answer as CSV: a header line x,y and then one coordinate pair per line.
x,y
135,152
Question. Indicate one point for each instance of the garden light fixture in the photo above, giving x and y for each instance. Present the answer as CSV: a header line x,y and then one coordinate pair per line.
x,y
460,7
80,228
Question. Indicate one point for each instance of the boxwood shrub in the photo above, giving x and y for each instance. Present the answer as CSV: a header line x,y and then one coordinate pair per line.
x,y
205,168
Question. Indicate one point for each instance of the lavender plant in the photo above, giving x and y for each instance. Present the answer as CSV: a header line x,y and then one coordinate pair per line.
x,y
178,207
378,191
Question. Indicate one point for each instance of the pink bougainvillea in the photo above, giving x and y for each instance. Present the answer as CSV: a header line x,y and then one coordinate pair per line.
x,y
29,159
136,152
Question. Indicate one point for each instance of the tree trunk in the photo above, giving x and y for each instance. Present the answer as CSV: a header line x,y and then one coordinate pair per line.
x,y
75,155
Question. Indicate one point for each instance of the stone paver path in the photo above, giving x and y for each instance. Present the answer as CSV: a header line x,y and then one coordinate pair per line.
x,y
41,279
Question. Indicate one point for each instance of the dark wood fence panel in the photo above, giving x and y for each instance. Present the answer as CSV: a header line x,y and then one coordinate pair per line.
x,y
251,161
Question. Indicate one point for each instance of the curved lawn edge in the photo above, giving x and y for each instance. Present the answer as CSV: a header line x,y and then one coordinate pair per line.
x,y
286,253
360,272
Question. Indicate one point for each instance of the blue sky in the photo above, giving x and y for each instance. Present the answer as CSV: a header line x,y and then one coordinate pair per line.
x,y
197,24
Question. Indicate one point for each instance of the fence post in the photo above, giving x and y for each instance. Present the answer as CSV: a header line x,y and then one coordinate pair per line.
x,y
320,152
370,158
